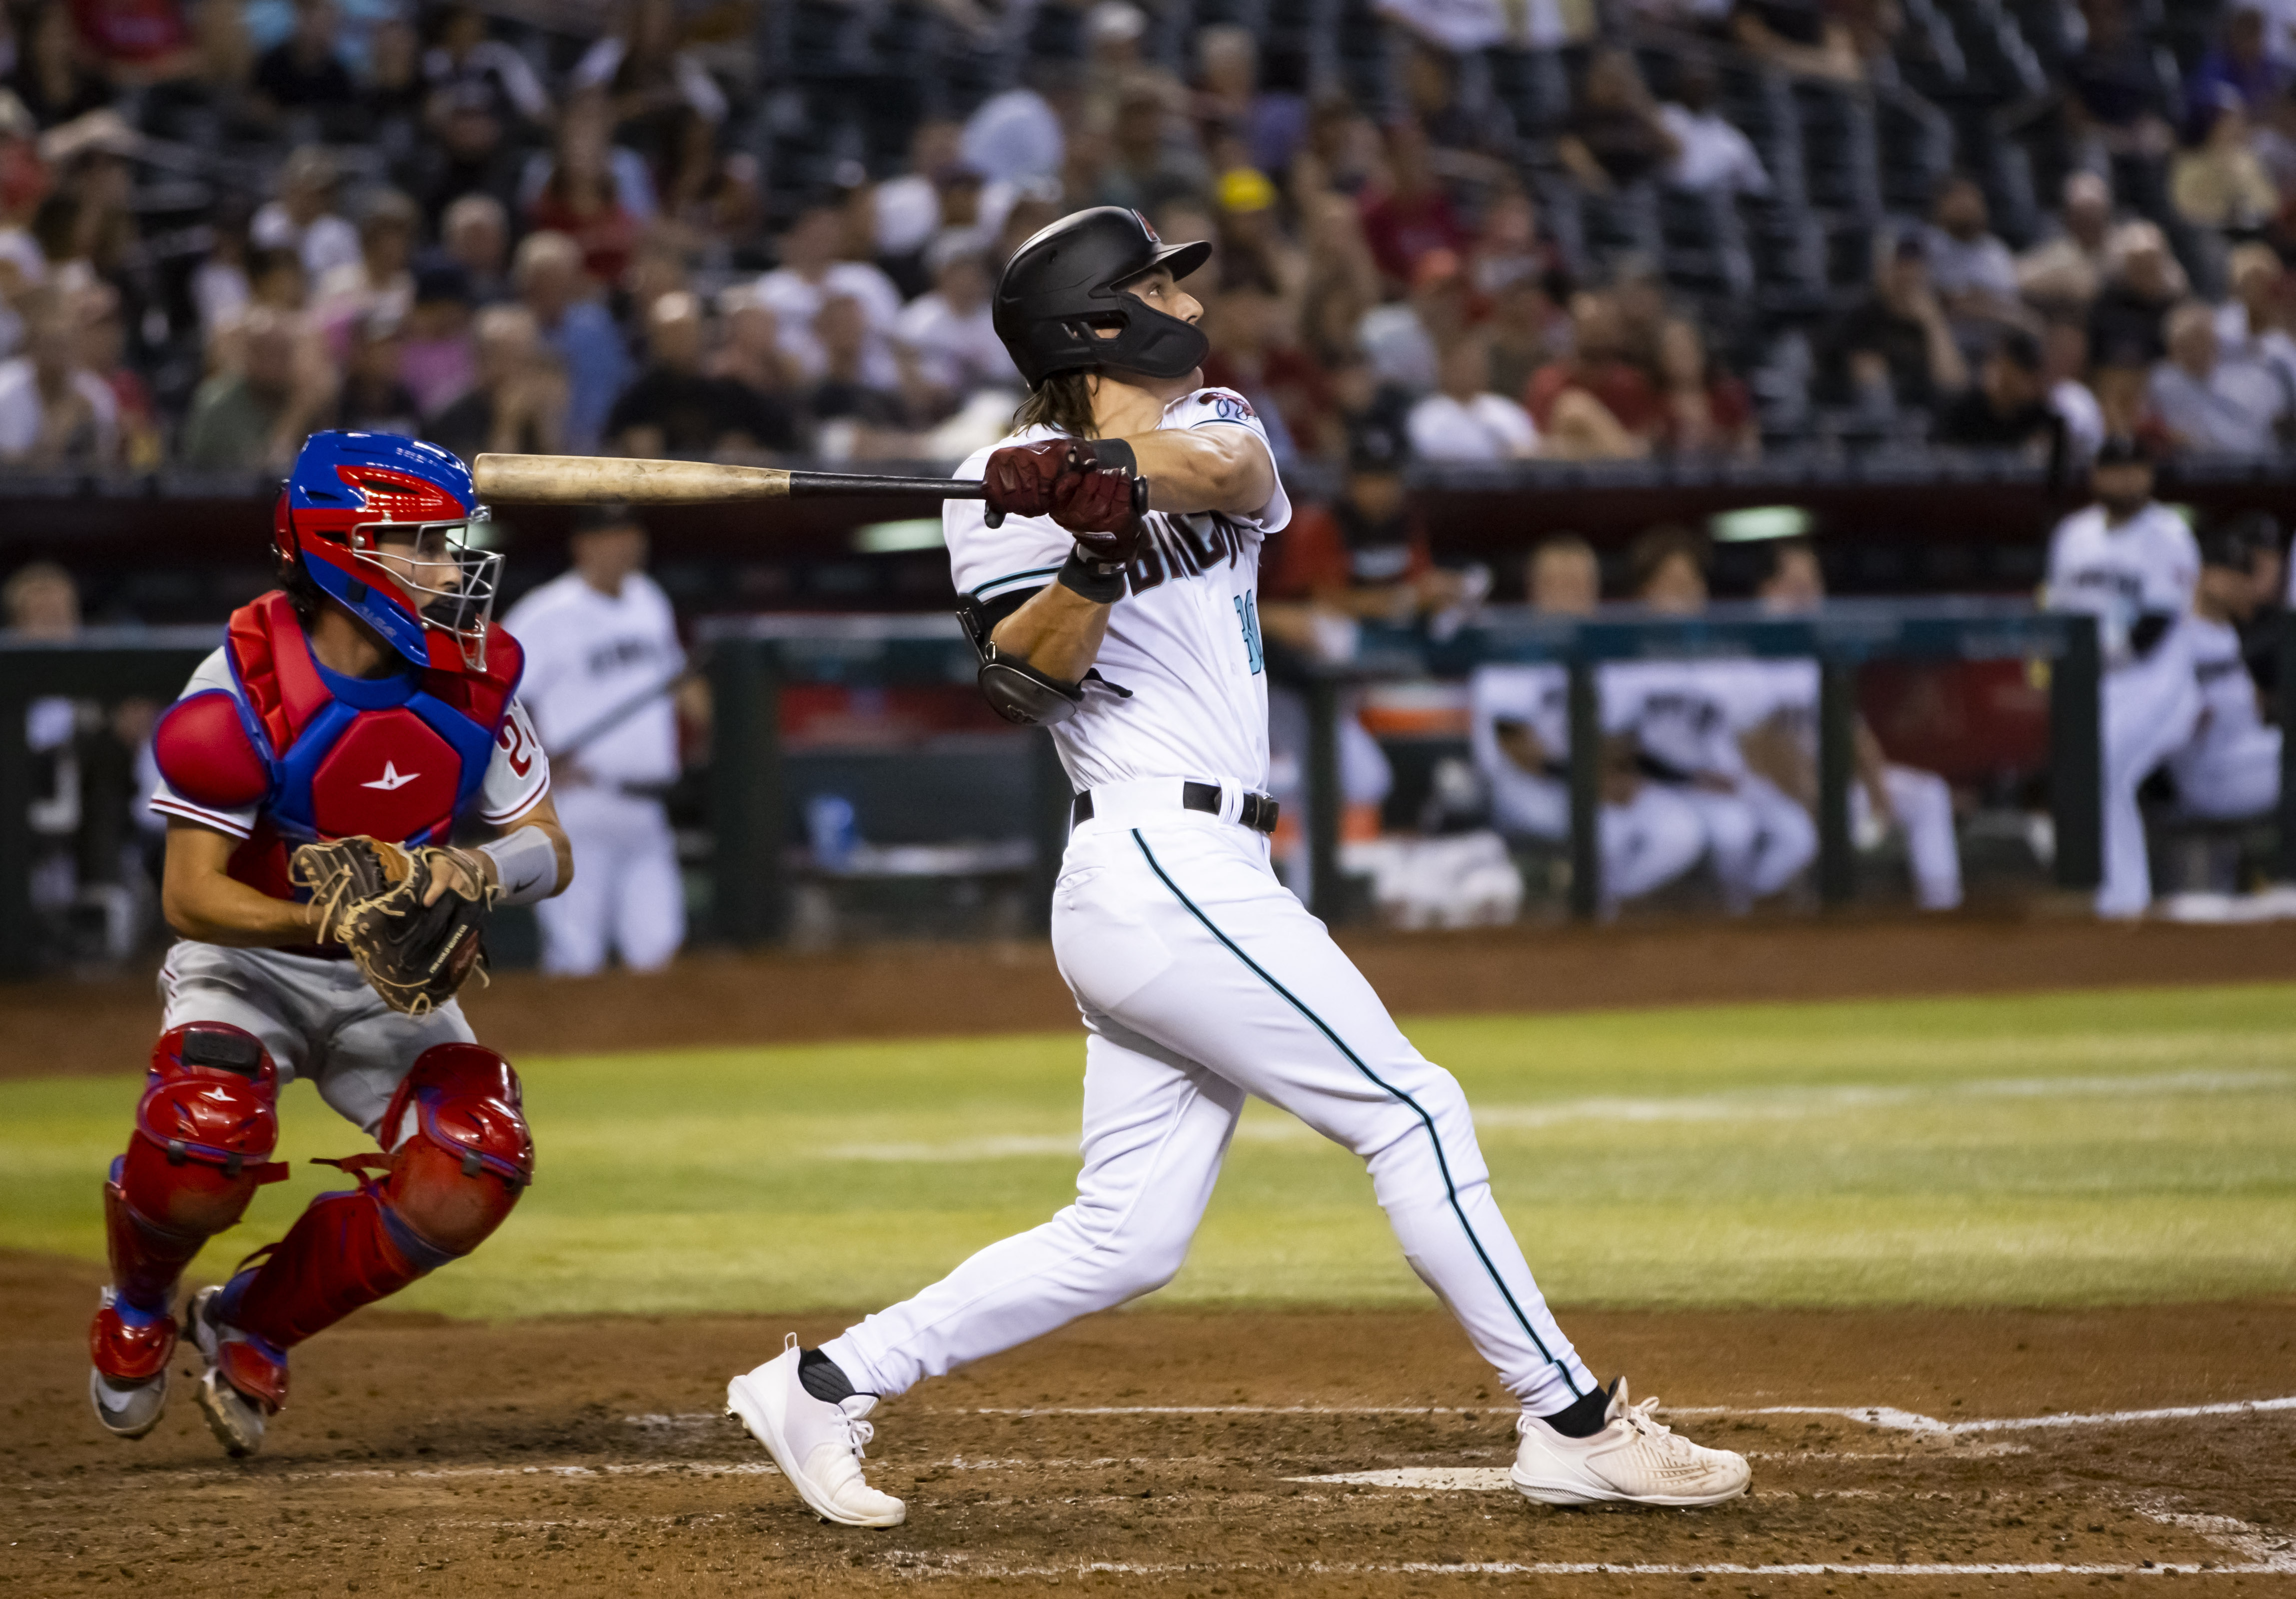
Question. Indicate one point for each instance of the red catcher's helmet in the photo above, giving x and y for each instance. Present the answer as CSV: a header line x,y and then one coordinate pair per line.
x,y
432,592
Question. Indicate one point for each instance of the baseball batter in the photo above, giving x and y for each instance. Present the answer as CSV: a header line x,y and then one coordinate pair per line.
x,y
1520,732
601,657
370,697
1201,981
2131,562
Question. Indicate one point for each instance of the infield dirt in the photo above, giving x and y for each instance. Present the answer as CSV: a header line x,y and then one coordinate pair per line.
x,y
586,1457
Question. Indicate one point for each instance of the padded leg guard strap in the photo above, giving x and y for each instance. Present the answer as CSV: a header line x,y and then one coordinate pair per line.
x,y
461,1158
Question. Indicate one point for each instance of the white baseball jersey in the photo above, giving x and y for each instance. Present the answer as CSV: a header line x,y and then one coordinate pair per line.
x,y
517,774
2229,713
588,653
1184,645
1537,696
2148,564
1681,712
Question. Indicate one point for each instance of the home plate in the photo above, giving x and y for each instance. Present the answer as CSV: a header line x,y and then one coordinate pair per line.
x,y
1470,1480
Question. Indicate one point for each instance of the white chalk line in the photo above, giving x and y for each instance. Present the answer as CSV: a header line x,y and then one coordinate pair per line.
x,y
1559,1568
1751,1105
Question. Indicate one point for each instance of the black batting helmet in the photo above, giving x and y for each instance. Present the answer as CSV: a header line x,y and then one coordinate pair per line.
x,y
1059,292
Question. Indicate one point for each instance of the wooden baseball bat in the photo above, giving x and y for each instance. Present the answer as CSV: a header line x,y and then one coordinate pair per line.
x,y
592,479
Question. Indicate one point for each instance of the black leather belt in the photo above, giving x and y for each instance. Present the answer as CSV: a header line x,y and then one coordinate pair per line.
x,y
1257,811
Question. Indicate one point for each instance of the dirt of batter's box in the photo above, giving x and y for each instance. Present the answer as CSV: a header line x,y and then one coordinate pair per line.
x,y
718,996
1190,1452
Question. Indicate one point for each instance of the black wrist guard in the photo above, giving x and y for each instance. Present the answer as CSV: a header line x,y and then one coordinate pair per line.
x,y
1103,586
1114,454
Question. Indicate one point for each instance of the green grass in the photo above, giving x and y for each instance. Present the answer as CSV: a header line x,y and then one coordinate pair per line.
x,y
2059,1149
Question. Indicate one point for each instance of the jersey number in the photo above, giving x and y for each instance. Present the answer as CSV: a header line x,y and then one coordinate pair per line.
x,y
1247,613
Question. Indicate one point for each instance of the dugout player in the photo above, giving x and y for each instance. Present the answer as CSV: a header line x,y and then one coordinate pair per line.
x,y
2229,770
1201,981
2131,562
1520,732
602,663
369,694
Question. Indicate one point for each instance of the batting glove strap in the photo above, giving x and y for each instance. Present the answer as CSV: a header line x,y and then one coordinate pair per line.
x,y
1102,585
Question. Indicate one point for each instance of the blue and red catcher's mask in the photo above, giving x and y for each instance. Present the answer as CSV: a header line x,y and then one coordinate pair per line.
x,y
385,526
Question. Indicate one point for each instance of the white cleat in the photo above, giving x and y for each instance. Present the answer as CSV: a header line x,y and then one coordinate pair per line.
x,y
817,1444
237,1421
128,1409
1635,1459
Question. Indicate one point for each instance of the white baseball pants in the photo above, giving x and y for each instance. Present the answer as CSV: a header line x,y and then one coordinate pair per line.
x,y
2226,780
1647,842
2148,710
625,895
1201,981
1757,835
1923,803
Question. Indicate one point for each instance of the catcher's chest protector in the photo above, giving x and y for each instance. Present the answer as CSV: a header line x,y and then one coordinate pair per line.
x,y
327,756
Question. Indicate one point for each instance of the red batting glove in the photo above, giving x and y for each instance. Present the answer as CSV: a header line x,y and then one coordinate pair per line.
x,y
1096,507
1020,477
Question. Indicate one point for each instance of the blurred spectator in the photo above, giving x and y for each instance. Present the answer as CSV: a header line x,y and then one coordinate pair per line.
x,y
468,155
1251,234
391,95
675,408
2119,105
1637,295
1507,246
1153,160
2209,405
1711,156
845,389
255,418
1271,123
1454,124
2275,138
2065,356
810,274
474,236
1707,412
2064,271
1401,338
2238,66
2250,325
2142,284
2122,383
1252,356
2220,183
2008,408
1410,215
304,71
751,353
1527,327
948,339
1016,137
379,280
462,57
1364,555
1972,271
1341,288
303,217
521,404
1616,138
103,352
439,359
1894,348
53,410
547,273
1115,67
1463,420
373,399
591,190
663,101
1801,36
51,76
1594,404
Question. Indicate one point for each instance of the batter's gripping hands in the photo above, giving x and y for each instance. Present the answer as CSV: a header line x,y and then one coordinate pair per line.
x,y
1026,480
413,947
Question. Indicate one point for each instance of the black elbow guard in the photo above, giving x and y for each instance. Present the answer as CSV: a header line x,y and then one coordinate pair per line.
x,y
2147,631
1019,693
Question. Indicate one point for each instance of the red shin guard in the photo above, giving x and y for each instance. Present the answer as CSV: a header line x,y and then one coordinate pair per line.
x,y
204,1132
460,1156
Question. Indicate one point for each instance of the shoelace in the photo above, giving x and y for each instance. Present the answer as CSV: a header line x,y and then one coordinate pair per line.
x,y
858,1433
1641,1417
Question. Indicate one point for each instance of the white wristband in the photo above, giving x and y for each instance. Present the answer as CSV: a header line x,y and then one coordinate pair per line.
x,y
526,866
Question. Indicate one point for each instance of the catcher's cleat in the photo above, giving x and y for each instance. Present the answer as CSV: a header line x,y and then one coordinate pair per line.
x,y
244,1382
817,1444
128,1352
1634,1460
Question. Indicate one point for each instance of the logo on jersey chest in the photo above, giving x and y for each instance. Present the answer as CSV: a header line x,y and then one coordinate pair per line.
x,y
1183,547
389,776
617,654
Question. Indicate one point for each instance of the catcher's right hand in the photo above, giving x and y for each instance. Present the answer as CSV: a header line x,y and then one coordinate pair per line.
x,y
409,918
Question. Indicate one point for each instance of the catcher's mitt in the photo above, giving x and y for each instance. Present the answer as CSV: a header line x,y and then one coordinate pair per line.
x,y
370,897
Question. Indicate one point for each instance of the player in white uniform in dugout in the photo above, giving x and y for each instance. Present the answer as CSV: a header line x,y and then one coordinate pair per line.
x,y
2131,562
604,676
2229,770
1521,730
1201,981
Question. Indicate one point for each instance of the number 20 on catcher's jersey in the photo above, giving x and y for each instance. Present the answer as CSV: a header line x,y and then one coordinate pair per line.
x,y
1247,613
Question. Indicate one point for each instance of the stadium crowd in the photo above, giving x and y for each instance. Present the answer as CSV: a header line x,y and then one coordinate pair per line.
x,y
224,225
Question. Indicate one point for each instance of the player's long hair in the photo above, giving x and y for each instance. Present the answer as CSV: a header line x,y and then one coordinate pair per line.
x,y
1062,402
302,589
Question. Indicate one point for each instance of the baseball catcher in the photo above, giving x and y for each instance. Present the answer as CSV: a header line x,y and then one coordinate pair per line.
x,y
312,776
